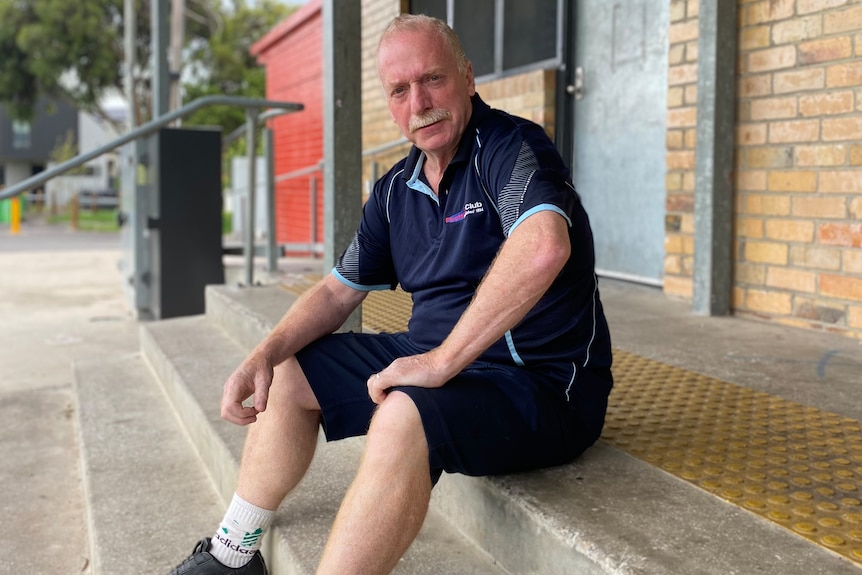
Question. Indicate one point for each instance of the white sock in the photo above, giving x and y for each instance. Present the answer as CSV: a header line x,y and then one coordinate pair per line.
x,y
240,532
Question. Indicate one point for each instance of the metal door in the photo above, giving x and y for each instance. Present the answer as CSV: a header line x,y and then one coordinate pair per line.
x,y
621,51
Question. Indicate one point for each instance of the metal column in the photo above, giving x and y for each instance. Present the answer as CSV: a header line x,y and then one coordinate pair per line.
x,y
342,131
713,201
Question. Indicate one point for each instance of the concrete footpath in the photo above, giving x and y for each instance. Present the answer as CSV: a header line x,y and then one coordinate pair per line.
x,y
60,301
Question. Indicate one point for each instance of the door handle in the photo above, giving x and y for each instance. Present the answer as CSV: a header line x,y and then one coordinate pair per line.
x,y
577,89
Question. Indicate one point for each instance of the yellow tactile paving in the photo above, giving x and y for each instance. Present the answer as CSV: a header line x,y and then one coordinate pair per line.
x,y
796,466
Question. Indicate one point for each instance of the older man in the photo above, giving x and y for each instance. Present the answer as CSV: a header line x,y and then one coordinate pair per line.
x,y
505,365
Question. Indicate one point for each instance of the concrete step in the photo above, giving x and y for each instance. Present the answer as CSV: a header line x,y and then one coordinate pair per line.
x,y
607,512
192,358
144,484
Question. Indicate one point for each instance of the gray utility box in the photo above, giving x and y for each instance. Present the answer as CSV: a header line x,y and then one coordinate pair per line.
x,y
176,242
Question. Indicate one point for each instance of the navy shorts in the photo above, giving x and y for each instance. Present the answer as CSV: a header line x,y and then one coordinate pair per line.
x,y
489,419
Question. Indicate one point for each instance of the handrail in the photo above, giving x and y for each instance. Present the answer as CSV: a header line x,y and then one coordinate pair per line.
x,y
144,130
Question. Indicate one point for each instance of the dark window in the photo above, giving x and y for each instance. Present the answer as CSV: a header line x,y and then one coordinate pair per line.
x,y
20,135
435,8
474,22
530,33
501,35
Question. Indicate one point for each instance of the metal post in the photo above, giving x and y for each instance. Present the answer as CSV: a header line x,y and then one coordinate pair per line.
x,y
713,197
271,244
342,131
159,12
251,148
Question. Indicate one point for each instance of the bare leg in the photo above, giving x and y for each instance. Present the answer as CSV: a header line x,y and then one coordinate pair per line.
x,y
280,444
387,502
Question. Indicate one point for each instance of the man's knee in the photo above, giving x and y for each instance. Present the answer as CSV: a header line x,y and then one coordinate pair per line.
x,y
290,386
397,425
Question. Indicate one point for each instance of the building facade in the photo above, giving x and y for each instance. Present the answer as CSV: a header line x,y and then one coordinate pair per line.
x,y
26,145
616,85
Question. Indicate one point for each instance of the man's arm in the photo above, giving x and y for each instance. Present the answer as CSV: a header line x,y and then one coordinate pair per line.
x,y
526,266
318,312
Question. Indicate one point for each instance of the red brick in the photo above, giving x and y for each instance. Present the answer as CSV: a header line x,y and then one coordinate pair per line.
x,y
840,234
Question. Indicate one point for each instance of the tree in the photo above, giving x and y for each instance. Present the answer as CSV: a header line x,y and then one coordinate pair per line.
x,y
73,49
66,49
223,64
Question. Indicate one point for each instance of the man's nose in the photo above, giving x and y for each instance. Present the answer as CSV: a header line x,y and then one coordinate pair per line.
x,y
419,98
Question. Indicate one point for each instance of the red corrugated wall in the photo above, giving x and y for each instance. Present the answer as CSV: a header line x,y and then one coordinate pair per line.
x,y
292,54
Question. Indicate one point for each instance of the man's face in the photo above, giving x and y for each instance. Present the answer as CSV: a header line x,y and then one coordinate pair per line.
x,y
428,97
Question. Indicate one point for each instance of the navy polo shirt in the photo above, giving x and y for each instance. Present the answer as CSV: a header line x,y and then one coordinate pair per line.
x,y
440,247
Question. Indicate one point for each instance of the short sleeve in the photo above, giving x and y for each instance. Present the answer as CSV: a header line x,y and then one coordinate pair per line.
x,y
366,264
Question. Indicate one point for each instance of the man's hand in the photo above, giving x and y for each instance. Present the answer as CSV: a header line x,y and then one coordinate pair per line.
x,y
252,377
423,370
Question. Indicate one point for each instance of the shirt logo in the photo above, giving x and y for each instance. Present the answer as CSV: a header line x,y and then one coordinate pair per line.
x,y
469,208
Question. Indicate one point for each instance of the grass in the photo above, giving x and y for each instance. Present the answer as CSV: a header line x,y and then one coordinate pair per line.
x,y
90,221
106,220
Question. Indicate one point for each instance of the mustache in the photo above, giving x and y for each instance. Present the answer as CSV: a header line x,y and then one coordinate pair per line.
x,y
432,116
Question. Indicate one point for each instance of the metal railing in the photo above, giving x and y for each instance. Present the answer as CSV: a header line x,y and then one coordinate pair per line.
x,y
252,106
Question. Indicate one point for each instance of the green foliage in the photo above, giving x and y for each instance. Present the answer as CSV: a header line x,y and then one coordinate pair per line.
x,y
44,41
225,64
81,41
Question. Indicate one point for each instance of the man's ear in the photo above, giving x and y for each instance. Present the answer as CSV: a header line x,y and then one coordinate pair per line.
x,y
471,81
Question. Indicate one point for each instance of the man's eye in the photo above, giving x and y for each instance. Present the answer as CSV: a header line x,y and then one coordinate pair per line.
x,y
400,90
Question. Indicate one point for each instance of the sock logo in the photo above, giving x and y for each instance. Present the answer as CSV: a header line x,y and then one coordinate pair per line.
x,y
234,546
251,539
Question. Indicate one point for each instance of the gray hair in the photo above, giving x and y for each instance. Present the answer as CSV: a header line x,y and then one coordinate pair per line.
x,y
420,22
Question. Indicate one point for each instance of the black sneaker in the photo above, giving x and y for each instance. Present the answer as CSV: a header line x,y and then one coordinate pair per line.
x,y
200,562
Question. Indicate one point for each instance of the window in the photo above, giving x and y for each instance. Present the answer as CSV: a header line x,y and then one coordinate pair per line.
x,y
500,36
20,135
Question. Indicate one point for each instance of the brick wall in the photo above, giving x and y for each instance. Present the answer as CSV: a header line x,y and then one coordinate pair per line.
x,y
681,144
799,163
798,173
